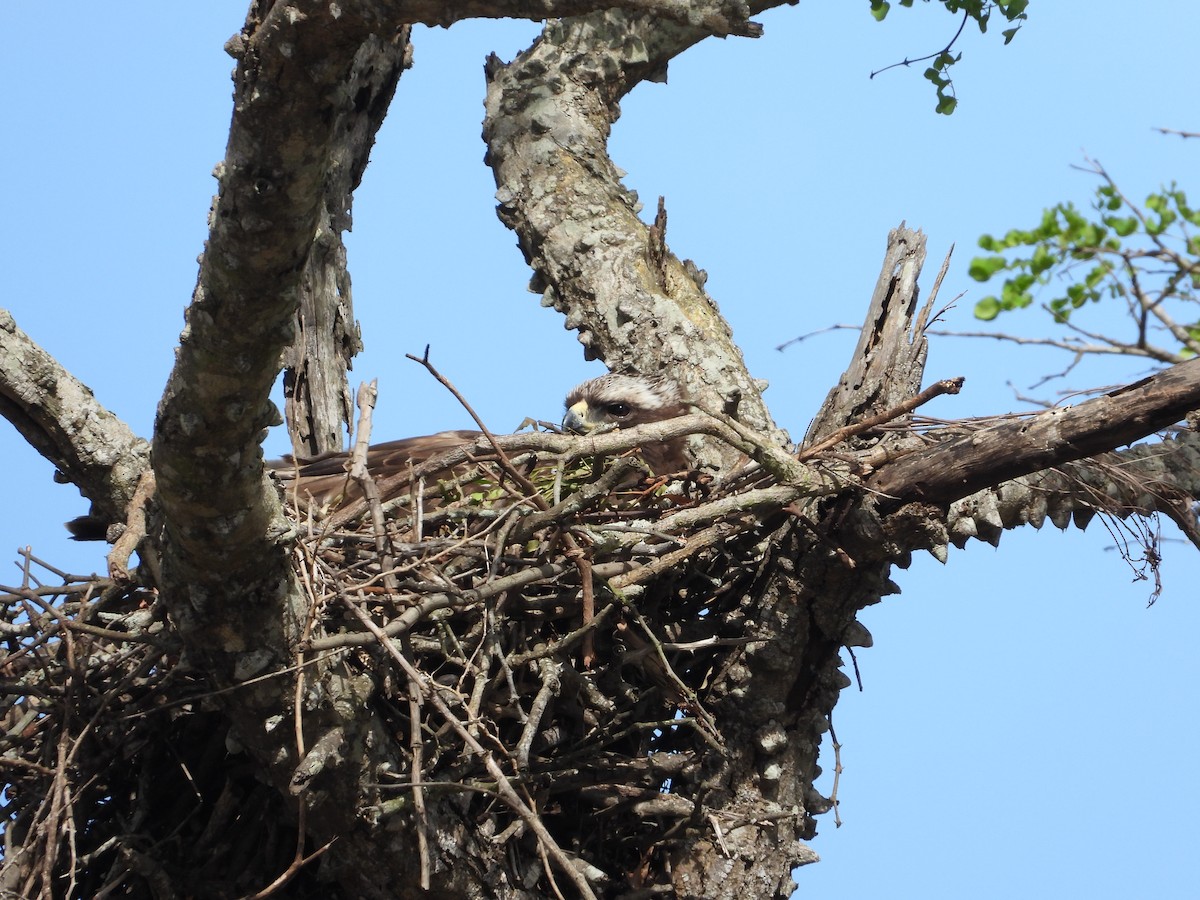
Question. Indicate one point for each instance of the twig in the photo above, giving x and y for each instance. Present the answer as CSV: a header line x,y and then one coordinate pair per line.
x,y
922,322
298,862
948,386
906,62
801,338
417,749
1183,134
837,772
415,614
708,726
362,475
504,787
548,670
567,641
574,552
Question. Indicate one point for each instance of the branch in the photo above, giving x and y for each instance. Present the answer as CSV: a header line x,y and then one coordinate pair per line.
x,y
307,86
906,62
956,468
569,448
504,787
1072,345
1162,477
888,363
283,141
635,305
719,17
58,415
937,389
1183,134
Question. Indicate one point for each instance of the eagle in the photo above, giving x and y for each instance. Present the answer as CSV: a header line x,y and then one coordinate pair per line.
x,y
623,401
610,401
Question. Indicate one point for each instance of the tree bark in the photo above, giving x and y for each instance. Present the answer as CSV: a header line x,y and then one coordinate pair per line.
x,y
636,306
319,408
61,419
694,741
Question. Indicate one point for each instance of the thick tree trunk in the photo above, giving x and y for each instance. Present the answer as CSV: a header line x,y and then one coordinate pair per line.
x,y
636,306
319,406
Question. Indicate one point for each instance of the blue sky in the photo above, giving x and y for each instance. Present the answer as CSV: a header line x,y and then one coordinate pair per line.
x,y
1027,725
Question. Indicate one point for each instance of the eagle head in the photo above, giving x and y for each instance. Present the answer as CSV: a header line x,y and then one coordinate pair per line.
x,y
622,401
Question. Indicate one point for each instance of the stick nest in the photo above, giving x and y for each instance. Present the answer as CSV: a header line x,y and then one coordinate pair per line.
x,y
560,626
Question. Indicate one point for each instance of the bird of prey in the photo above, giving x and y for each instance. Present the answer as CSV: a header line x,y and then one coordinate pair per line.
x,y
323,483
613,401
609,401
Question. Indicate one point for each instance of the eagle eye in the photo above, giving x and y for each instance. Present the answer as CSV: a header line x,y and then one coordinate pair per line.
x,y
619,410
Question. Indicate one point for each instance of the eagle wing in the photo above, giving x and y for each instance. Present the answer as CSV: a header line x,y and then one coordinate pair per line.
x,y
323,482
610,401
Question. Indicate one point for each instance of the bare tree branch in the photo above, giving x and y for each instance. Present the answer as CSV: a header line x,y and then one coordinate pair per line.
x,y
61,419
290,120
984,458
888,363
695,736
718,17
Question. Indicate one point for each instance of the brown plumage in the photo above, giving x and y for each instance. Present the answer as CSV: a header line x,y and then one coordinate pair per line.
x,y
609,401
622,401
322,481
606,402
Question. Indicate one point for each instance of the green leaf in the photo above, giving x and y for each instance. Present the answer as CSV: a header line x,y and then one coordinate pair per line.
x,y
945,59
946,105
1042,260
984,267
987,242
1165,219
1189,214
879,9
1049,226
1097,275
1014,297
1075,221
1124,226
987,309
1014,238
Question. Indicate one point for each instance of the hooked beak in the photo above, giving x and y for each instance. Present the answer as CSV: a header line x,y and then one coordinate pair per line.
x,y
576,420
